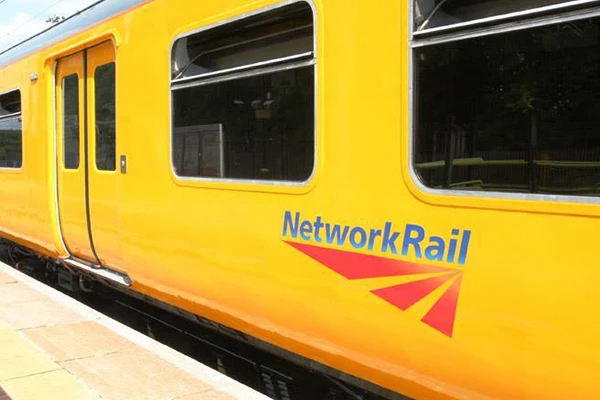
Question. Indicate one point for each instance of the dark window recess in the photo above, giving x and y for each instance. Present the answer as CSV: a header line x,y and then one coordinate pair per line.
x,y
259,127
10,103
11,131
70,88
257,121
11,143
512,112
437,13
284,32
104,81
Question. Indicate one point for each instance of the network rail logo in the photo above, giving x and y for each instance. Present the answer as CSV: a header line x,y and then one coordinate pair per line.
x,y
413,240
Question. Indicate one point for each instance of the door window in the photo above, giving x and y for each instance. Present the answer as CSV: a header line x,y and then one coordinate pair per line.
x,y
71,121
104,79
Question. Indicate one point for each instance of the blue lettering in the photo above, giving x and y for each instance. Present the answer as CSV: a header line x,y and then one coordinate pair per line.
x,y
436,248
358,244
464,247
293,226
336,233
318,225
389,239
409,240
451,251
372,236
305,230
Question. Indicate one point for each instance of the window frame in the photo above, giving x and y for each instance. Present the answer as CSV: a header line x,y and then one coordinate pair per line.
x,y
254,69
16,115
569,204
519,15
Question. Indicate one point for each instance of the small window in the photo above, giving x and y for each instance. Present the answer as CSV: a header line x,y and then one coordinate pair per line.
x,y
104,81
438,13
511,112
70,87
243,98
11,130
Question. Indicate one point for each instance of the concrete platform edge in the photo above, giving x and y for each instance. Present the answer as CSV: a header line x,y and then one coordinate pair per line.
x,y
198,370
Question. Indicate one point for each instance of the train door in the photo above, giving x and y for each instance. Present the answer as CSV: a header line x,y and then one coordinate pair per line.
x,y
70,117
86,154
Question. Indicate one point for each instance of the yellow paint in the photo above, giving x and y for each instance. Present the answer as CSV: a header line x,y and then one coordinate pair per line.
x,y
525,325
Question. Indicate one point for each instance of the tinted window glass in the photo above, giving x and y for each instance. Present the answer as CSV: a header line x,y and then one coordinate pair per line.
x,y
255,122
449,12
11,147
71,121
10,103
105,117
516,112
276,34
259,127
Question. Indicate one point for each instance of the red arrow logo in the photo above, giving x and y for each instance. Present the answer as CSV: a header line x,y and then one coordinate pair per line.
x,y
353,266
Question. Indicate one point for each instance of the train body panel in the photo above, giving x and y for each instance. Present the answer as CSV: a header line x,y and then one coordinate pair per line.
x,y
510,283
27,210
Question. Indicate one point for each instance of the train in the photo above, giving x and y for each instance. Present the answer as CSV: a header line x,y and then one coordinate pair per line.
x,y
400,194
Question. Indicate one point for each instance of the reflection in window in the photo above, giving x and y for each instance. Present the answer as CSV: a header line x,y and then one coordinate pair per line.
x,y
517,112
70,89
11,132
436,13
263,125
274,35
11,146
243,98
10,103
104,81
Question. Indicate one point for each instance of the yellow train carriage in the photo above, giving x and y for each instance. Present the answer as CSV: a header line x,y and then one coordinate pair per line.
x,y
404,191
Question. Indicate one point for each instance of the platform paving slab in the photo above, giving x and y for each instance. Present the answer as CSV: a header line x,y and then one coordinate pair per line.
x,y
17,292
58,384
74,341
52,347
40,312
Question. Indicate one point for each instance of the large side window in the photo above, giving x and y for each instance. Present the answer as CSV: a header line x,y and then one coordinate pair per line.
x,y
515,111
243,98
71,121
11,131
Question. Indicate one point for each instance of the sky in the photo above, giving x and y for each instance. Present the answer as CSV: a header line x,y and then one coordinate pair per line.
x,y
20,19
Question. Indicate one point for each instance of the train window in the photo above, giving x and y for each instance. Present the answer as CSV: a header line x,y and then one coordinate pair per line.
x,y
511,112
104,85
11,132
70,87
439,13
268,38
243,98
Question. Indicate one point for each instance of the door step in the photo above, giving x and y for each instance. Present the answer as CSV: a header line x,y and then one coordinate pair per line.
x,y
99,270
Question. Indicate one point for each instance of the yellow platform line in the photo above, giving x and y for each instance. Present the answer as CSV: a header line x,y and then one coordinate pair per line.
x,y
27,372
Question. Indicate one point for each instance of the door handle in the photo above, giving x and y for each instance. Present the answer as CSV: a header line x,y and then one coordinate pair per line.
x,y
123,164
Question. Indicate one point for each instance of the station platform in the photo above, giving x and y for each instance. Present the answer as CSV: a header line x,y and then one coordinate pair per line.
x,y
52,347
